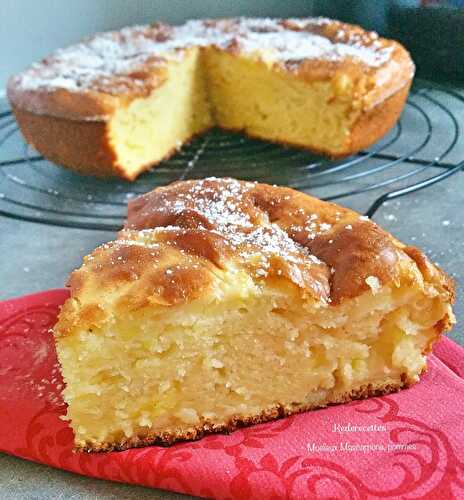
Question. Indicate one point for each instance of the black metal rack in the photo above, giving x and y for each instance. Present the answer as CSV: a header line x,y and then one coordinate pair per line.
x,y
425,147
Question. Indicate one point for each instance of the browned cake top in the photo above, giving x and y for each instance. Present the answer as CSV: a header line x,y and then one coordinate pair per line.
x,y
326,249
90,79
178,239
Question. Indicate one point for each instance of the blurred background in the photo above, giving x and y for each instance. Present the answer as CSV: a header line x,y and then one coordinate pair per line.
x,y
433,30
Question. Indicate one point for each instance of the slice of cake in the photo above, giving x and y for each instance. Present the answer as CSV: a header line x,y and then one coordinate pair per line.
x,y
120,102
224,303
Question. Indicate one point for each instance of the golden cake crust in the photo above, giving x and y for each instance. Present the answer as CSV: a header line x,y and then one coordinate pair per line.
x,y
89,152
90,80
176,237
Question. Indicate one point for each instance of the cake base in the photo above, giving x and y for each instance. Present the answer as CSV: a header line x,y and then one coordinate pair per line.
x,y
168,438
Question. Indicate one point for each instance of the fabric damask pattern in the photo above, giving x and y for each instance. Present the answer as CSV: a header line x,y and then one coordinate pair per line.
x,y
411,445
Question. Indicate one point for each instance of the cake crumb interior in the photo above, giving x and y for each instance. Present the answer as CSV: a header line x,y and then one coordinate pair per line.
x,y
149,129
241,349
207,86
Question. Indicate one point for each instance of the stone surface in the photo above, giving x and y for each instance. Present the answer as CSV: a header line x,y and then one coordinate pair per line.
x,y
20,479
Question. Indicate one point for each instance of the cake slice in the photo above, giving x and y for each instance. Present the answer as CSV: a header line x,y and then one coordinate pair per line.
x,y
226,303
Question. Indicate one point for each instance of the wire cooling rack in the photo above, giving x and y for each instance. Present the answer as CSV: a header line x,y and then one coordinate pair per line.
x,y
425,147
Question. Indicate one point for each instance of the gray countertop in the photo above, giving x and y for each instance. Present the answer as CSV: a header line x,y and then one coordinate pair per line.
x,y
37,257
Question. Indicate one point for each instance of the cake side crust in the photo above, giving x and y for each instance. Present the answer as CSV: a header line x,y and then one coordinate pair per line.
x,y
89,153
376,122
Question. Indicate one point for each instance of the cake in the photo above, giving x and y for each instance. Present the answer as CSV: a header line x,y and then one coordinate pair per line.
x,y
122,101
224,303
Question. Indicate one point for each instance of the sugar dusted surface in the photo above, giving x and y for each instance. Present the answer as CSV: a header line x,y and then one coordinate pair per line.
x,y
118,62
248,233
261,228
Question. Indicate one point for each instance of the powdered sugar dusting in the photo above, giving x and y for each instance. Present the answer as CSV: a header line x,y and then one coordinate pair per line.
x,y
119,62
290,45
226,208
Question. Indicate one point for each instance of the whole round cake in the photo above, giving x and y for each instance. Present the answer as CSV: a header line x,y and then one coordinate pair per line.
x,y
122,101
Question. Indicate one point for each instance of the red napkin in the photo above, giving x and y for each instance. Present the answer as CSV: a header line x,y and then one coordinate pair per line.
x,y
407,445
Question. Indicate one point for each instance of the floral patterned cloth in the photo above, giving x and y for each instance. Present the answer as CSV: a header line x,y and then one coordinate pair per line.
x,y
406,445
